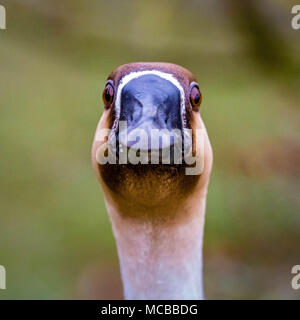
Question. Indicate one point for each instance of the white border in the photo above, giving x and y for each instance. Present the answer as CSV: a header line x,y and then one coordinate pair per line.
x,y
136,74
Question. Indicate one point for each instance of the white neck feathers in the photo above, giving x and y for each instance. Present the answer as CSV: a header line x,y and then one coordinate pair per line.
x,y
160,261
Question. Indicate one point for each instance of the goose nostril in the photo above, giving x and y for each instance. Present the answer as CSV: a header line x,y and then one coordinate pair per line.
x,y
161,118
134,116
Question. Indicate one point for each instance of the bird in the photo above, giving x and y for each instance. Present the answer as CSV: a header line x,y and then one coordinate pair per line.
x,y
157,210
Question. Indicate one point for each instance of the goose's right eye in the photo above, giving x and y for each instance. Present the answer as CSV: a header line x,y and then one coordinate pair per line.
x,y
108,95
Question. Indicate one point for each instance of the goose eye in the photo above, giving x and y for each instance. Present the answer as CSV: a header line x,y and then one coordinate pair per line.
x,y
108,94
195,97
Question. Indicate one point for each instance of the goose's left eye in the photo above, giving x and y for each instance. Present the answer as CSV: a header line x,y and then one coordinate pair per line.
x,y
195,97
108,94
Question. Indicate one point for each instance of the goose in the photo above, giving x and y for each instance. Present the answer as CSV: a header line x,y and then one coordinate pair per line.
x,y
156,210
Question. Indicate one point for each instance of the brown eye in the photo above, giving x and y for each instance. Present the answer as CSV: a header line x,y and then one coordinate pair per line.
x,y
195,97
108,94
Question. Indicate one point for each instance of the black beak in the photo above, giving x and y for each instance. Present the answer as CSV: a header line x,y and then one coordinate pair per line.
x,y
150,102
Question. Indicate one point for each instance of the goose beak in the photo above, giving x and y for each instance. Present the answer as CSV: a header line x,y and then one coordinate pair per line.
x,y
150,114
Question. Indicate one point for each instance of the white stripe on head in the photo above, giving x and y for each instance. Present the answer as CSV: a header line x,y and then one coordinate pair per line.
x,y
136,74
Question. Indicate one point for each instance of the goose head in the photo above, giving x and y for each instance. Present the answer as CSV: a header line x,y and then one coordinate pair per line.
x,y
147,130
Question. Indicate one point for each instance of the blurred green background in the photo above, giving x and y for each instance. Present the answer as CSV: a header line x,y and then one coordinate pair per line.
x,y
55,236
